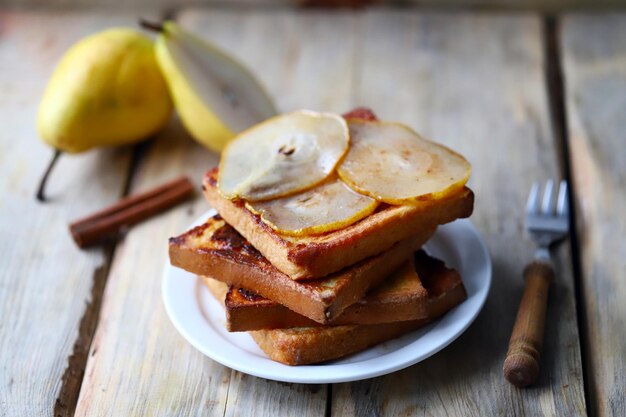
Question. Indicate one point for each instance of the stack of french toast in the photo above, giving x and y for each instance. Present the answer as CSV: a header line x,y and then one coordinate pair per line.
x,y
316,245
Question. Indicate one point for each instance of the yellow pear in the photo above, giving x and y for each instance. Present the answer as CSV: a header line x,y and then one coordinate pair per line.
x,y
107,90
215,96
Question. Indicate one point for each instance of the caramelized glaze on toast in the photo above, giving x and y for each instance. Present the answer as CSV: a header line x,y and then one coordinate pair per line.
x,y
308,257
216,250
405,295
306,345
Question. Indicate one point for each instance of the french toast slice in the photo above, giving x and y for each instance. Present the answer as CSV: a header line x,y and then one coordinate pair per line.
x,y
309,257
307,345
405,295
216,250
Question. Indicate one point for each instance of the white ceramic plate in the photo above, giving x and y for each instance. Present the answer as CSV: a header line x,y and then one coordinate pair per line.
x,y
200,319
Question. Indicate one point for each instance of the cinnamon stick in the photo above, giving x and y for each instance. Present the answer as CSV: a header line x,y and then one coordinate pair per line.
x,y
128,211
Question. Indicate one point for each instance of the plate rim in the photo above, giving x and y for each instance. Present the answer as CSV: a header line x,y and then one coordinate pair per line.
x,y
336,372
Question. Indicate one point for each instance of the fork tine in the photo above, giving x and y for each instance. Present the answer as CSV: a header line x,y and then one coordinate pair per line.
x,y
547,206
562,206
532,205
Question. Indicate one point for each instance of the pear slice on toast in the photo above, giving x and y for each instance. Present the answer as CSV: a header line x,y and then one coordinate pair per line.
x,y
324,208
393,164
283,155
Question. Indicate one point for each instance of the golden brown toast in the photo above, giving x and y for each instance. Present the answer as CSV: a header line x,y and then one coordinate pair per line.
x,y
405,295
216,250
307,257
306,345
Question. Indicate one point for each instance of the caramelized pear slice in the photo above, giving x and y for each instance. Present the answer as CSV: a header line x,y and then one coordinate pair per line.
x,y
393,164
283,155
327,207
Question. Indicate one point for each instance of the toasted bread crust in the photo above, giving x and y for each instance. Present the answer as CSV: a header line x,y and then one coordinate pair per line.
x,y
445,289
405,295
216,250
219,289
307,345
404,298
311,257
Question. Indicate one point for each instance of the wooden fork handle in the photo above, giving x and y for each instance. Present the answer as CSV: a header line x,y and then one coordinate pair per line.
x,y
521,365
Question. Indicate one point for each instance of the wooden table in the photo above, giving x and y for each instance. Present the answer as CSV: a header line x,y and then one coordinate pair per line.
x,y
525,98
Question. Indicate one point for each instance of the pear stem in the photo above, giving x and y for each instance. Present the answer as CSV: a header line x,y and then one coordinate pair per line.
x,y
146,24
41,196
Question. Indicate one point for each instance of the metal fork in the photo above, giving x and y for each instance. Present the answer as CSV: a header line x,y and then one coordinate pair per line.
x,y
547,223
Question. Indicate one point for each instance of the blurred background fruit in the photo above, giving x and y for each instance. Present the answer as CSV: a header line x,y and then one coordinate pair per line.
x,y
215,95
107,90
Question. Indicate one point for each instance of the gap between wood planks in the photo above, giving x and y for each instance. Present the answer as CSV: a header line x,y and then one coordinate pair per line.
x,y
71,381
72,378
329,400
556,98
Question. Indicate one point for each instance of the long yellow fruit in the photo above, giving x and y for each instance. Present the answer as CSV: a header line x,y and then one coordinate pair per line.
x,y
106,90
214,95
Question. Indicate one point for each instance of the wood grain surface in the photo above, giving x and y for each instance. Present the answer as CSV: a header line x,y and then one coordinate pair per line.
x,y
138,363
136,350
475,83
594,64
45,280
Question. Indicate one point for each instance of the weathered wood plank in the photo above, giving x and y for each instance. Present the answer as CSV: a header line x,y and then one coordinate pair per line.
x,y
248,395
475,82
303,58
594,63
139,364
540,5
45,281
